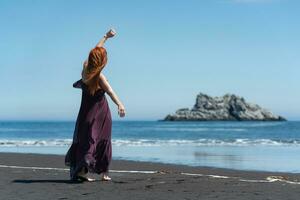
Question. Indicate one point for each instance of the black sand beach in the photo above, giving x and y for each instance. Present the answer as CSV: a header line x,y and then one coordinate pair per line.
x,y
160,181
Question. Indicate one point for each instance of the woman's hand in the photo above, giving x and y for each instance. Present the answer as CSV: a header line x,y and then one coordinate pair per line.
x,y
111,33
121,110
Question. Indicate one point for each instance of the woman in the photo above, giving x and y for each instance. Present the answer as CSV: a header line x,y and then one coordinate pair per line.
x,y
91,149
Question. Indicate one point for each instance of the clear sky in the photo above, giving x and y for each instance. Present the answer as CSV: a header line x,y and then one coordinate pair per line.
x,y
165,53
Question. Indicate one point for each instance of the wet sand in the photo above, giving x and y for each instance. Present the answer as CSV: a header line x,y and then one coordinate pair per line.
x,y
139,180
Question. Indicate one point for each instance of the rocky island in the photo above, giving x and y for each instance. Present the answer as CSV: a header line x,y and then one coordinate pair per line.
x,y
229,107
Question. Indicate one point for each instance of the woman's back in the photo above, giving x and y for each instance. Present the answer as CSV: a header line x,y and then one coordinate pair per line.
x,y
85,92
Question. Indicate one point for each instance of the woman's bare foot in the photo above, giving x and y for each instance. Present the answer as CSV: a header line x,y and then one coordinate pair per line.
x,y
83,176
105,177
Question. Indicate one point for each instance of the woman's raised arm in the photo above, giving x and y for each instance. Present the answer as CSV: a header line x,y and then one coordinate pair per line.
x,y
111,33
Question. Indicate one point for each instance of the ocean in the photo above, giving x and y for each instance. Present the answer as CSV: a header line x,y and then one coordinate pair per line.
x,y
262,146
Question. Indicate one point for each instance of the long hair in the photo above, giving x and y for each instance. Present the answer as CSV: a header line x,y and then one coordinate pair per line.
x,y
90,73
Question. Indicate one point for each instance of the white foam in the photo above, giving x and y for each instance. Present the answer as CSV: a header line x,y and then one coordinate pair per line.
x,y
205,142
212,176
66,169
27,142
269,179
153,142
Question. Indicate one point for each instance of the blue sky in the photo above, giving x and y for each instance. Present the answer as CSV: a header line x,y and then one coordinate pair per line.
x,y
165,53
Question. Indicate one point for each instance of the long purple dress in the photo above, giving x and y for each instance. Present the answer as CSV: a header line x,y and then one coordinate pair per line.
x,y
91,147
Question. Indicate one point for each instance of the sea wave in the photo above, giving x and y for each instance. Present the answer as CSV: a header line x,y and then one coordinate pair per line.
x,y
50,142
14,129
156,142
206,142
191,129
187,129
221,124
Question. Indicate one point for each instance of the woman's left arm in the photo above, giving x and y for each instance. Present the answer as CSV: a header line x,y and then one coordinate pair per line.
x,y
108,89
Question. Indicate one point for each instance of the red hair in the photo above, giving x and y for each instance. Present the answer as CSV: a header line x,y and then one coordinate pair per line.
x,y
90,73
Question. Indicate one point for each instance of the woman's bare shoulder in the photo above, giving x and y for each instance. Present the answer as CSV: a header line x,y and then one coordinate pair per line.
x,y
102,77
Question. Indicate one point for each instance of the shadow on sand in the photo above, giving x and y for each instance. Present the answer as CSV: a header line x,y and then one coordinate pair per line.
x,y
46,181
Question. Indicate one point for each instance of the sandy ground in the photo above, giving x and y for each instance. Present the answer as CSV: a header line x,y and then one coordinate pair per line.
x,y
162,181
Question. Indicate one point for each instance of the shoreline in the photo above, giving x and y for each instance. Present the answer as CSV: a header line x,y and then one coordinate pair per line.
x,y
176,165
131,180
7,156
280,166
